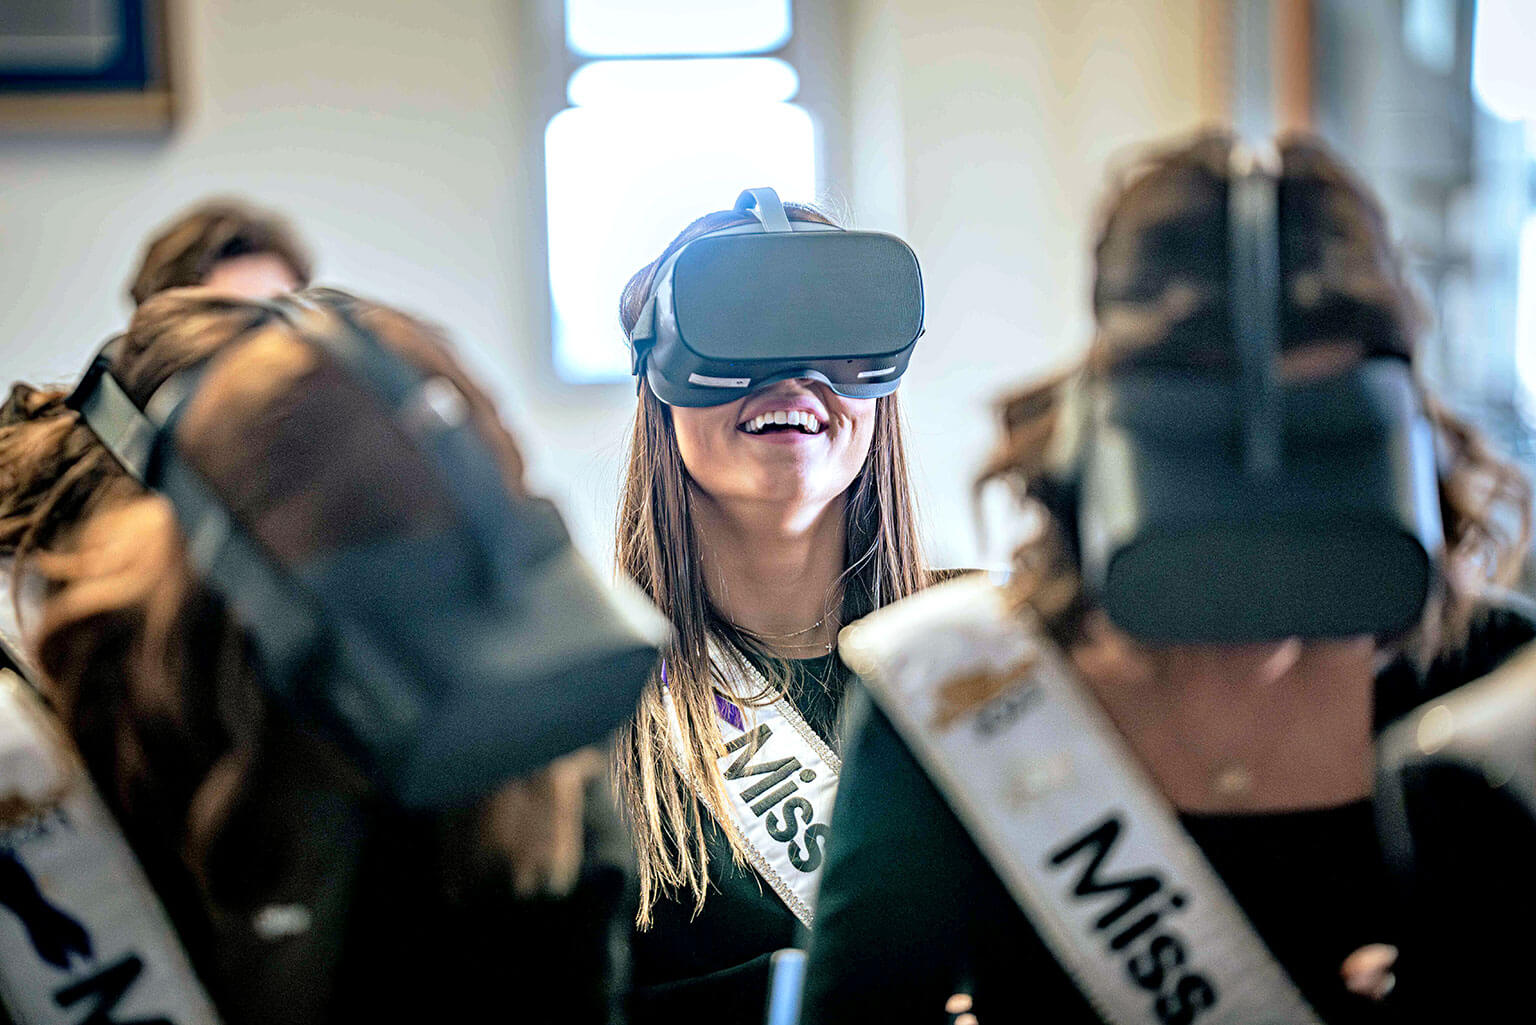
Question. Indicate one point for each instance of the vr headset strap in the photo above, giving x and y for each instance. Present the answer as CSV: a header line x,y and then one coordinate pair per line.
x,y
1253,228
1089,849
216,546
764,204
111,415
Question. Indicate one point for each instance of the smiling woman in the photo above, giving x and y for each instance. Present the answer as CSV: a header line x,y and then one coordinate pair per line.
x,y
760,526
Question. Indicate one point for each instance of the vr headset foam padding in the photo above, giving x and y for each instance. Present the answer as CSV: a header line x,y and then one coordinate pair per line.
x,y
1232,507
747,305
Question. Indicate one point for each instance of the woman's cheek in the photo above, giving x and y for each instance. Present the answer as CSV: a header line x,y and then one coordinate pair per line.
x,y
701,442
863,427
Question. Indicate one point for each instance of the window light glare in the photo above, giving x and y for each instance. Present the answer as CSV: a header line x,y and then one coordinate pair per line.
x,y
707,80
638,28
617,194
1525,310
1503,75
1429,33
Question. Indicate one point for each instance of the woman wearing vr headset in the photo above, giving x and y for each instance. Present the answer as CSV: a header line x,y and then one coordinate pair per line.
x,y
762,509
324,814
1071,804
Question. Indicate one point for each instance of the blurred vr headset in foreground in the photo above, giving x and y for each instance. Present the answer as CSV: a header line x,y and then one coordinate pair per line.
x,y
1231,506
447,654
751,304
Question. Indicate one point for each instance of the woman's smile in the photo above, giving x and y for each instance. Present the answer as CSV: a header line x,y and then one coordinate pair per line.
x,y
784,418
796,440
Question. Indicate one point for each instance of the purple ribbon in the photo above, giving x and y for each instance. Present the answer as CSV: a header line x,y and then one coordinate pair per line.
x,y
728,711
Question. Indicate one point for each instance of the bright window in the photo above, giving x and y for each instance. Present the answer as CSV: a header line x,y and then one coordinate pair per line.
x,y
640,28
650,143
1504,81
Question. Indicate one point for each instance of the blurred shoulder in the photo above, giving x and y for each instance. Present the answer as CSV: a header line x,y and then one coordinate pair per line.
x,y
1502,622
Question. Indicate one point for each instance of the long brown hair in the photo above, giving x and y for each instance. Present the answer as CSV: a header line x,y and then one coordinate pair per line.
x,y
150,673
1160,297
658,548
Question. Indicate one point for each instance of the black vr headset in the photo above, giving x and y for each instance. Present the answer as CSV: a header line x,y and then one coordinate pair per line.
x,y
1244,508
447,659
751,304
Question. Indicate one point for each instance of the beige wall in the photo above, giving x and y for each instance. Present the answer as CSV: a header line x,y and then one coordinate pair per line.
x,y
983,130
403,138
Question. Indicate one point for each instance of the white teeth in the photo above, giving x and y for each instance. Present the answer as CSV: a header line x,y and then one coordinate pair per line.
x,y
790,418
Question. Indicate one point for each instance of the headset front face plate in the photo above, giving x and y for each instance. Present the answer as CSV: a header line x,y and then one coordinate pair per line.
x,y
748,305
1182,543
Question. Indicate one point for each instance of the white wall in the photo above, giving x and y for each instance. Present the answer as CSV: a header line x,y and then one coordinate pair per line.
x,y
404,138
982,131
393,133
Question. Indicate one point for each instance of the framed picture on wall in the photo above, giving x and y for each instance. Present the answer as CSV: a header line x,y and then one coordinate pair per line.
x,y
85,65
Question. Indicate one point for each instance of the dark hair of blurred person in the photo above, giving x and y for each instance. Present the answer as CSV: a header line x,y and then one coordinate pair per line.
x,y
231,804
911,911
229,246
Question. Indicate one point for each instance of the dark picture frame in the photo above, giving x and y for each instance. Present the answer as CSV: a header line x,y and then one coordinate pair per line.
x,y
113,76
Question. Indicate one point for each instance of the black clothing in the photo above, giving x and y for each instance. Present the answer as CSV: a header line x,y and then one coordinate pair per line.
x,y
908,916
1506,622
715,967
404,916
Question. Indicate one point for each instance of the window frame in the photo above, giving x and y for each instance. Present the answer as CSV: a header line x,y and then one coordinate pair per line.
x,y
816,49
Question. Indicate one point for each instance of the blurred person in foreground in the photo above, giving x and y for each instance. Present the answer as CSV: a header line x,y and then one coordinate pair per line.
x,y
226,245
1071,804
304,666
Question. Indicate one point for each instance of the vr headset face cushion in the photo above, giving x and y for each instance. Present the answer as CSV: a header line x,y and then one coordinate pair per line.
x,y
737,311
1179,543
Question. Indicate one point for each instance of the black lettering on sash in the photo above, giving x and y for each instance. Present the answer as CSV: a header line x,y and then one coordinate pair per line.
x,y
1002,712
1130,933
777,784
1178,993
753,742
1191,995
106,990
776,773
759,807
792,807
1149,968
1100,840
810,861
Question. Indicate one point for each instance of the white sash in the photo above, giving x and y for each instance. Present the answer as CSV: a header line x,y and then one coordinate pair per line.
x,y
1065,815
781,778
82,936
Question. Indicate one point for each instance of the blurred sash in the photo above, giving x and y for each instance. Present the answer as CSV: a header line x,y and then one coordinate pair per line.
x,y
82,936
1086,845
